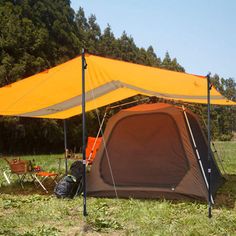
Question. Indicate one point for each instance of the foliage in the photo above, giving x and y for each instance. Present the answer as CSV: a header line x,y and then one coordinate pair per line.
x,y
102,217
169,64
36,35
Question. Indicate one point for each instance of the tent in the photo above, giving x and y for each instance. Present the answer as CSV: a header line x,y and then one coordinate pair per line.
x,y
150,153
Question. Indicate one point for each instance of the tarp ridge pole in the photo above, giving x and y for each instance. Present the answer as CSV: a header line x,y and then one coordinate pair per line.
x,y
84,66
209,86
196,150
65,146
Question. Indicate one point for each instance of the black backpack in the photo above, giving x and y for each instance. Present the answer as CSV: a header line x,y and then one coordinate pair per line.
x,y
71,185
76,170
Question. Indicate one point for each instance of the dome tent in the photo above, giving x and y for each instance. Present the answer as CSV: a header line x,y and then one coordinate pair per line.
x,y
149,153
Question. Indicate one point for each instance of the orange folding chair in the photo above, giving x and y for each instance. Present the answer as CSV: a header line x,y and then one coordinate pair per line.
x,y
41,176
17,167
93,145
23,168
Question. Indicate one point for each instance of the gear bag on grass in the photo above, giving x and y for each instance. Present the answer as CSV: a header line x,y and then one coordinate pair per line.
x,y
71,185
76,170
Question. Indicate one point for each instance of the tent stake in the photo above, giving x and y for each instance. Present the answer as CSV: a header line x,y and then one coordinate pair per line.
x,y
65,146
84,65
209,85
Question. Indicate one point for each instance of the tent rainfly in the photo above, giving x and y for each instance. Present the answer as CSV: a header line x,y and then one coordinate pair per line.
x,y
153,151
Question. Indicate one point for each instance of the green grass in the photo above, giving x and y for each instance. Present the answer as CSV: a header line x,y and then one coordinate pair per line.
x,y
31,212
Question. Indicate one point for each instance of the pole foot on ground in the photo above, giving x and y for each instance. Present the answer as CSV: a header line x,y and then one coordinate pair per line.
x,y
209,212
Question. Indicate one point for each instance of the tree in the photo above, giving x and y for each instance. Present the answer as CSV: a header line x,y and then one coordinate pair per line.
x,y
126,48
169,64
108,43
152,58
94,35
225,116
82,26
89,31
35,35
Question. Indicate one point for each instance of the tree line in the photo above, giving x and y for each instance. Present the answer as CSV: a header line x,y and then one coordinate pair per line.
x,y
36,35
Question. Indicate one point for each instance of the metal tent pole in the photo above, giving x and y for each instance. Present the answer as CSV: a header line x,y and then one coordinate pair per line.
x,y
209,143
84,65
65,146
196,150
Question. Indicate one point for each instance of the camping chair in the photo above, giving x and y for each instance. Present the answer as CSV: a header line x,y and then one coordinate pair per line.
x,y
17,167
23,168
93,145
41,176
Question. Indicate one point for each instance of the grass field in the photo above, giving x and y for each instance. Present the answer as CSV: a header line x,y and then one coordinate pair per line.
x,y
29,211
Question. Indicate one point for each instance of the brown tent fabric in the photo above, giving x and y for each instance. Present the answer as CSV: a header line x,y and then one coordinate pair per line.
x,y
149,154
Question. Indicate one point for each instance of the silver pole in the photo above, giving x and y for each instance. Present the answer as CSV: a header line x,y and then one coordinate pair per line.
x,y
196,150
84,135
65,146
209,143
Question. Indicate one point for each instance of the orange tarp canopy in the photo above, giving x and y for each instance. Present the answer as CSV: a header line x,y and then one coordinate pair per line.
x,y
57,92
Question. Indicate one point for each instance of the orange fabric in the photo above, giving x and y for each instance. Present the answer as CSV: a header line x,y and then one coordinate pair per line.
x,y
149,107
90,150
57,92
46,174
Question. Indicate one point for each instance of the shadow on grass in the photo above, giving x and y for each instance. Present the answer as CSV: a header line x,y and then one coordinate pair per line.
x,y
29,189
226,195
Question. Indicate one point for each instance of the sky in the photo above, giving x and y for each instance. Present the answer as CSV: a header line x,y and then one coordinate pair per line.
x,y
201,34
